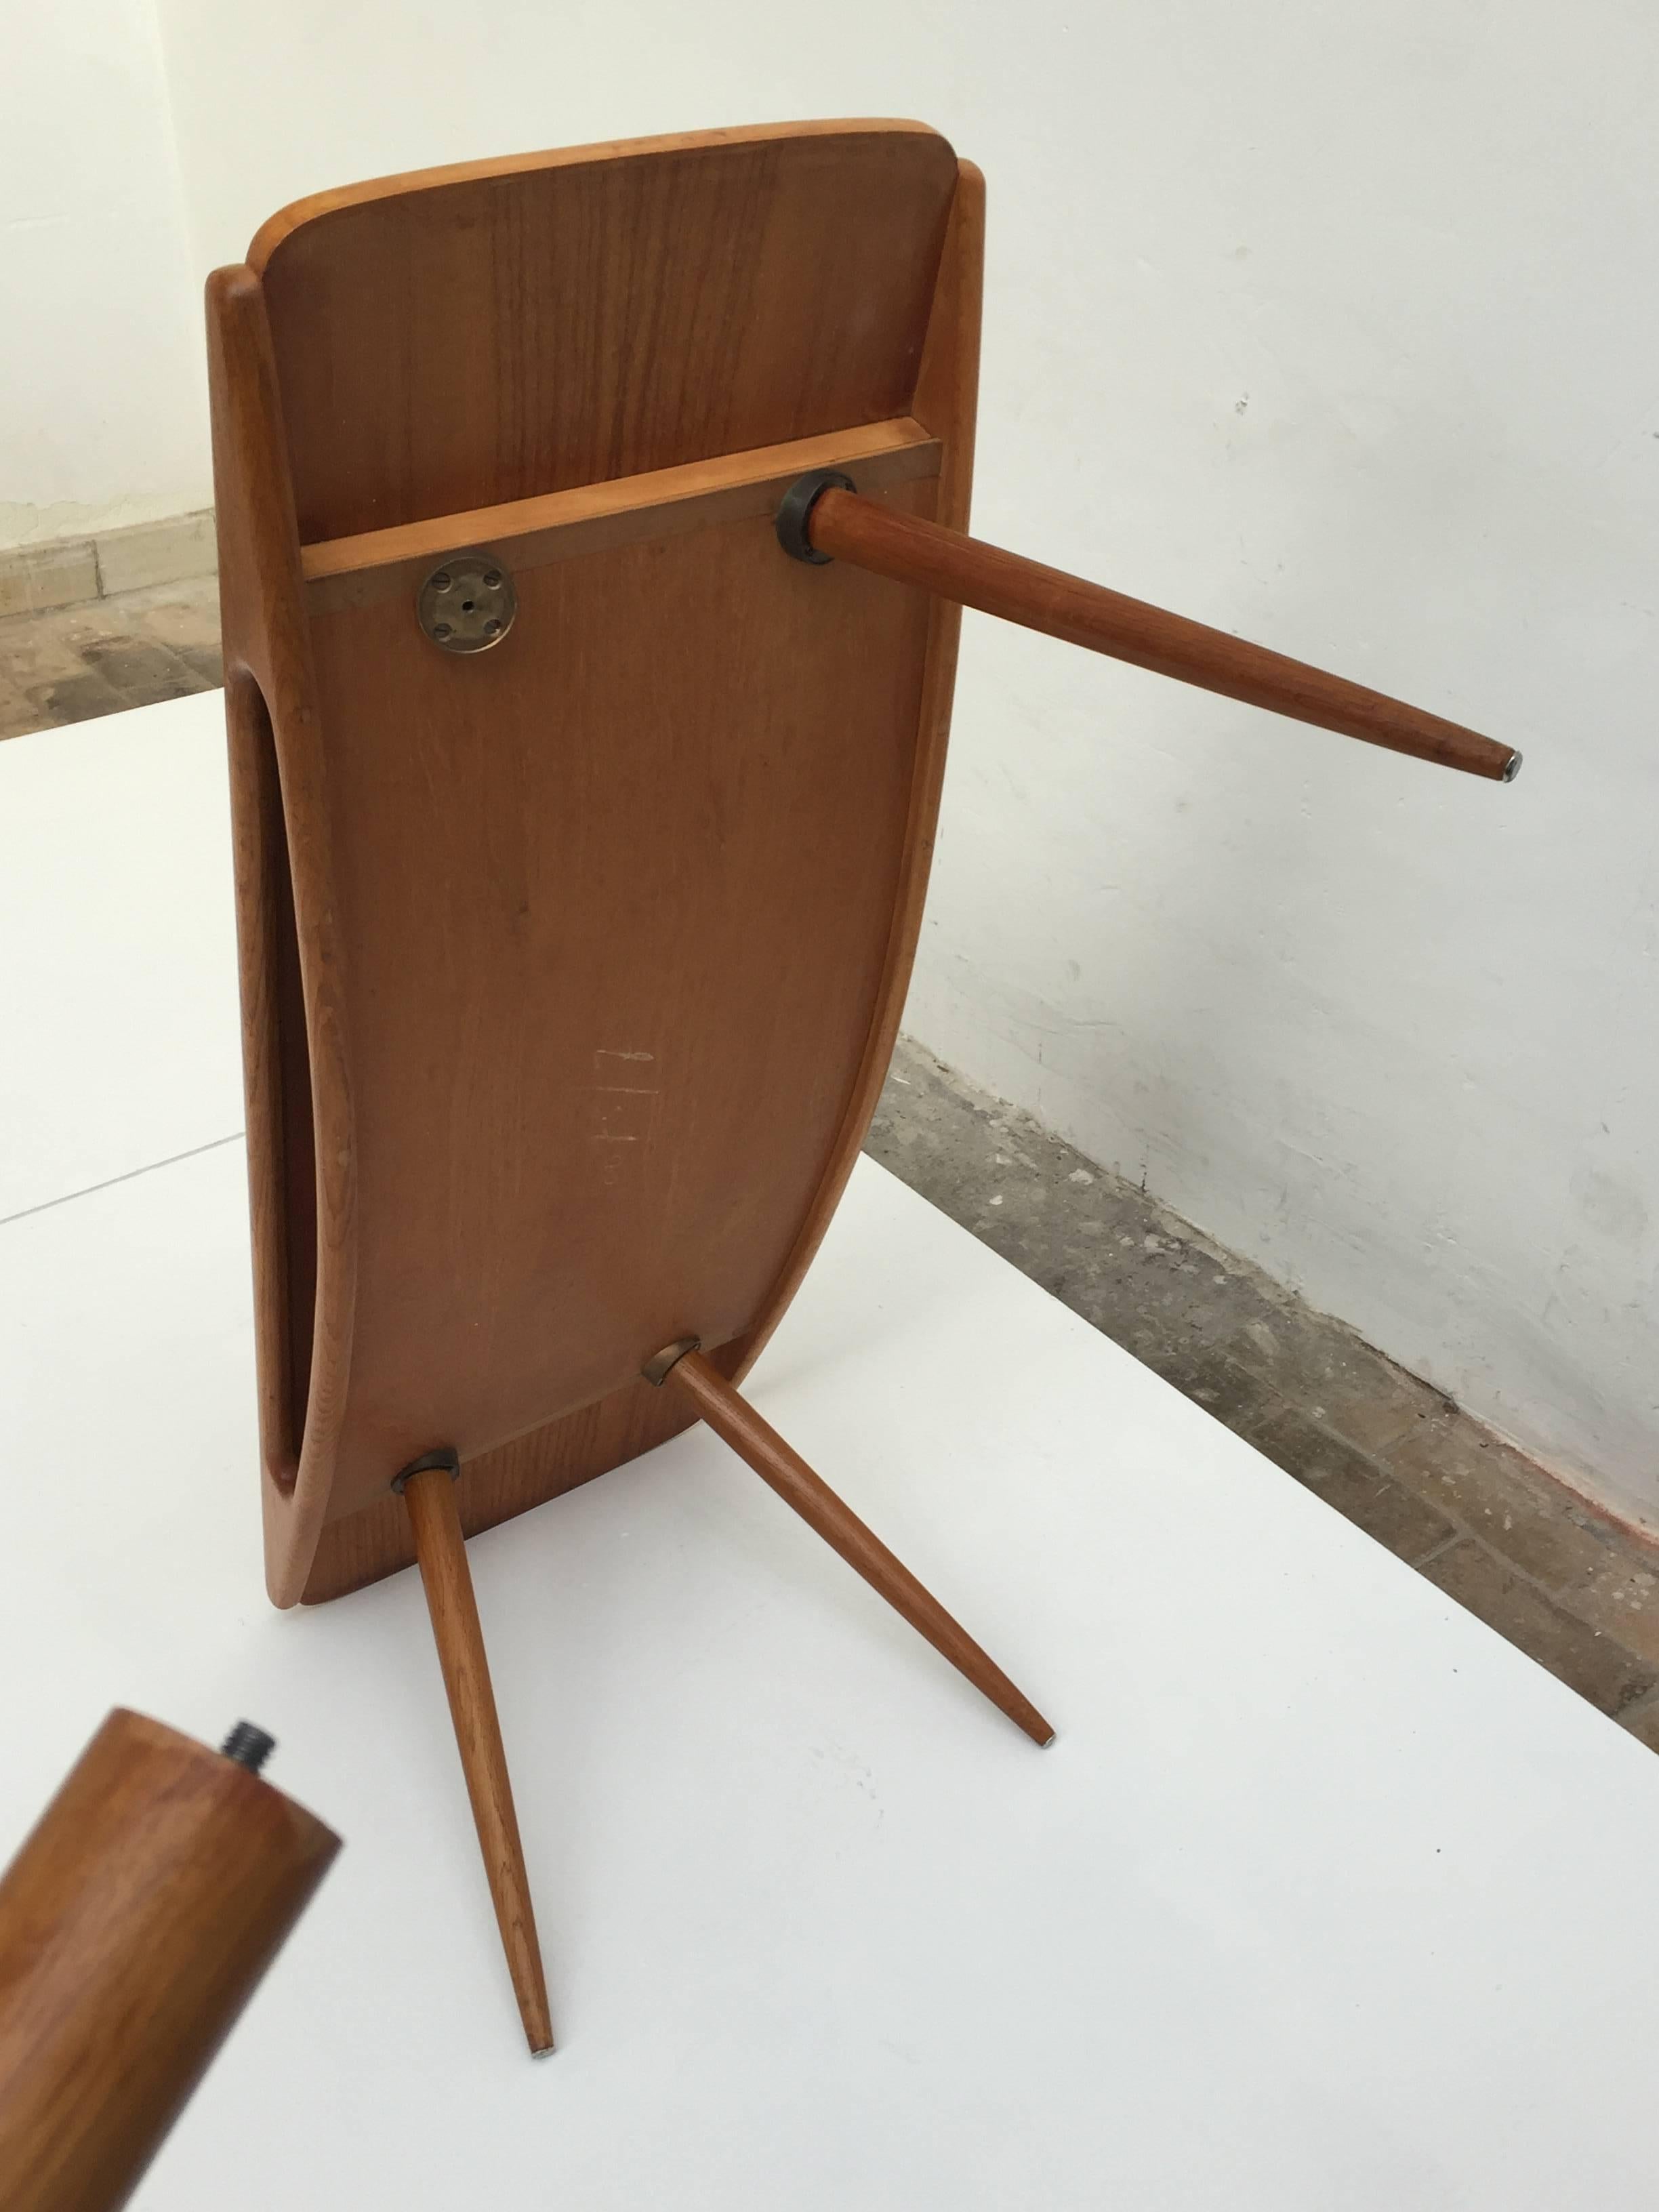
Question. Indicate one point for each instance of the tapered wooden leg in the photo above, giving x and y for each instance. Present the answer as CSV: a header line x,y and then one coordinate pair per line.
x,y
734,1419
442,1551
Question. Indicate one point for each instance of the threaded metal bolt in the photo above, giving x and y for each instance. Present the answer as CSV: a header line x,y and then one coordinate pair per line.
x,y
248,1746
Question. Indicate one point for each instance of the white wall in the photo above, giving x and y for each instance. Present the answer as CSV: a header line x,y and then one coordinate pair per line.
x,y
103,386
1334,326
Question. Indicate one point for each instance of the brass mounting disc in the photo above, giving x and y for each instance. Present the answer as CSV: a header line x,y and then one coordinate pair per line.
x,y
468,604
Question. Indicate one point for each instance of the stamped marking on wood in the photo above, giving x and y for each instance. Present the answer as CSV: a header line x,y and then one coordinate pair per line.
x,y
624,1107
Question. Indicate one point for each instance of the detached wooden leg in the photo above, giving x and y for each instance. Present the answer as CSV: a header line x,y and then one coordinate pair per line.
x,y
734,1419
429,1494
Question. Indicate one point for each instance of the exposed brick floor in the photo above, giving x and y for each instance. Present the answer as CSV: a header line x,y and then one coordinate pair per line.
x,y
1490,1529
74,663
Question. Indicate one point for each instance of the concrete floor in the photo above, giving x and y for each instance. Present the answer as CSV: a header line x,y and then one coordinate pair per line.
x,y
1577,1591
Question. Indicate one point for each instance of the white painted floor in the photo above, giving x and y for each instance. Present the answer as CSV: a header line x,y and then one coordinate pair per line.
x,y
1324,1897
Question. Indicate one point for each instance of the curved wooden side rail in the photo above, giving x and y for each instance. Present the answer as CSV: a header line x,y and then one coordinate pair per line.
x,y
839,524
297,1060
135,1922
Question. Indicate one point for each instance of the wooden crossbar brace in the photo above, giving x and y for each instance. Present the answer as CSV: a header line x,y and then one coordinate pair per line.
x,y
564,525
821,517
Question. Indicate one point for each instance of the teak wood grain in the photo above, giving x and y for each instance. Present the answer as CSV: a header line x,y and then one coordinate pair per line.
x,y
946,403
135,1922
781,1467
648,944
458,338
911,550
571,970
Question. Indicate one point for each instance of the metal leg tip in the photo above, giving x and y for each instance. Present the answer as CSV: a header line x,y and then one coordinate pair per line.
x,y
1512,768
1030,1721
